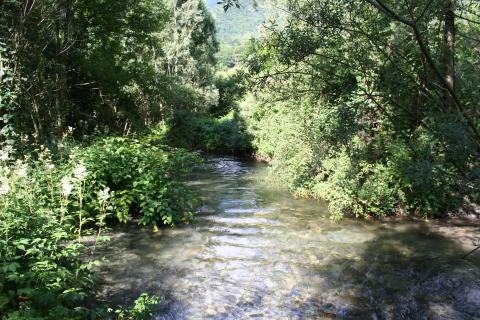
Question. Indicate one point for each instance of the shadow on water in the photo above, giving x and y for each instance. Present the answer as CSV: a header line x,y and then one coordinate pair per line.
x,y
405,272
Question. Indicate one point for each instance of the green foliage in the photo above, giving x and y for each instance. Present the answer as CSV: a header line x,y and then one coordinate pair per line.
x,y
191,54
216,128
238,25
8,109
42,275
143,309
46,207
203,132
230,89
143,178
348,108
315,152
101,67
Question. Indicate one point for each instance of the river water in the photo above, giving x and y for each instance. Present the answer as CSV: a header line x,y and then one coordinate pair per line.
x,y
255,252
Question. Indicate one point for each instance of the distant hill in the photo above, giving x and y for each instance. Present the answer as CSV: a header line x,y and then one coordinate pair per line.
x,y
236,26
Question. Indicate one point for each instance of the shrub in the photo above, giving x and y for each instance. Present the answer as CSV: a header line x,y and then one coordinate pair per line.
x,y
45,207
142,309
317,150
203,132
143,178
41,273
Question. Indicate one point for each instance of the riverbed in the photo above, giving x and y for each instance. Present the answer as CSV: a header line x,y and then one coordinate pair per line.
x,y
253,251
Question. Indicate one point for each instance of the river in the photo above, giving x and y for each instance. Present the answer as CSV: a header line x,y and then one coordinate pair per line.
x,y
255,252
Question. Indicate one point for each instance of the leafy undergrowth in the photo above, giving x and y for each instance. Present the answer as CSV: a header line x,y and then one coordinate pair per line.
x,y
315,151
224,135
47,205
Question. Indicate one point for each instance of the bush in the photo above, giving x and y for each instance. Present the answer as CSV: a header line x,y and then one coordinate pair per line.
x,y
41,273
143,308
45,207
317,150
143,178
360,188
203,132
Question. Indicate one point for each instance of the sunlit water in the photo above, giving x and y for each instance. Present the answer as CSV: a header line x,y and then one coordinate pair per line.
x,y
255,252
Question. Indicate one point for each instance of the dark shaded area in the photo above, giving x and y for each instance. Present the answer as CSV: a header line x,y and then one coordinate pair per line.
x,y
394,280
209,134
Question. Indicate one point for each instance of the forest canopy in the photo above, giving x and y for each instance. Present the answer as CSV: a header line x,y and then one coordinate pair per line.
x,y
375,103
100,66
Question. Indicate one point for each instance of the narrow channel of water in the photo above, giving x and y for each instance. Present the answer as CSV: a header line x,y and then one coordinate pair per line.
x,y
254,252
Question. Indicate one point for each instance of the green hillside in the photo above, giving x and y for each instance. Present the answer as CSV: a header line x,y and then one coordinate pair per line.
x,y
237,25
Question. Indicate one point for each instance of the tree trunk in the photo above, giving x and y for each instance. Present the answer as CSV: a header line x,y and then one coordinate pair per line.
x,y
449,42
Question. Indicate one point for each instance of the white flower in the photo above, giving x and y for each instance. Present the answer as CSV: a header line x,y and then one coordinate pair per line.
x,y
5,188
5,153
50,166
67,187
80,172
22,170
104,194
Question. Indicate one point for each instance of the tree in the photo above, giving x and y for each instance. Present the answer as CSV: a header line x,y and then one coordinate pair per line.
x,y
378,79
100,66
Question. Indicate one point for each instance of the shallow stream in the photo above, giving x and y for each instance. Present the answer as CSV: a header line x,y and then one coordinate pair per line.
x,y
255,252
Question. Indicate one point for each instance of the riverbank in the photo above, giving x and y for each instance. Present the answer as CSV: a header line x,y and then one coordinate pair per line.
x,y
467,213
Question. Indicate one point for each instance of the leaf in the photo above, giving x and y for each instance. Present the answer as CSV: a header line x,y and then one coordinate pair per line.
x,y
12,266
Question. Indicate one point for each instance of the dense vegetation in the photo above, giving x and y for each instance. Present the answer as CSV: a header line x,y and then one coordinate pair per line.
x,y
101,67
47,205
88,90
371,105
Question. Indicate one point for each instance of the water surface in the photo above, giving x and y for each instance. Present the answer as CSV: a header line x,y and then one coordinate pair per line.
x,y
255,252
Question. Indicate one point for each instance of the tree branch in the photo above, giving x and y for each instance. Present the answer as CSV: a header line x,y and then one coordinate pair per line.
x,y
473,132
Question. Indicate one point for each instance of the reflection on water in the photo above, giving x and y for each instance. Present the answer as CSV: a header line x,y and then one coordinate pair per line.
x,y
254,252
